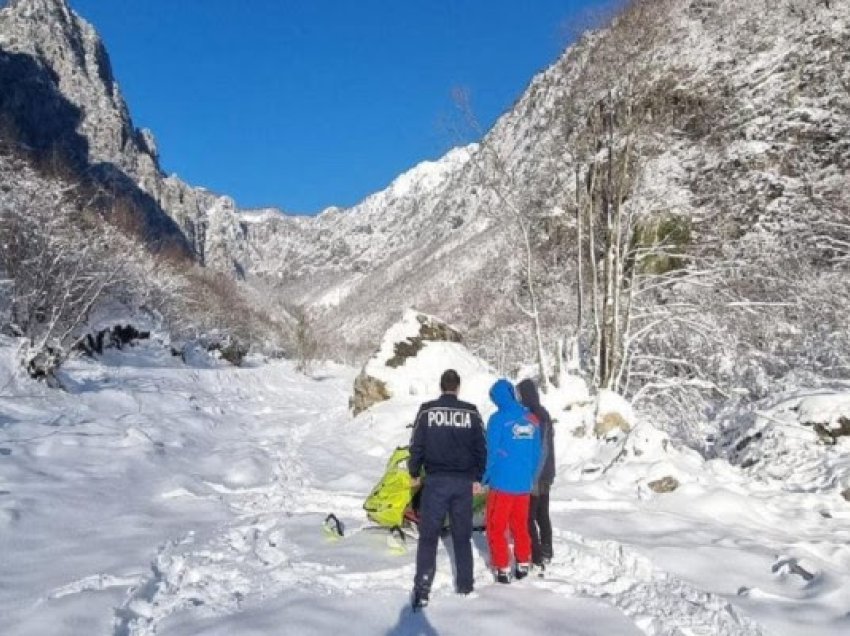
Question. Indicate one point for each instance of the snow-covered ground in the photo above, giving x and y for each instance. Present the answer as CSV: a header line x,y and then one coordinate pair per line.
x,y
155,498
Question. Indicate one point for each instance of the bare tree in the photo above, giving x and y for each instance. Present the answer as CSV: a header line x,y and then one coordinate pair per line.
x,y
306,342
60,261
58,275
607,162
516,211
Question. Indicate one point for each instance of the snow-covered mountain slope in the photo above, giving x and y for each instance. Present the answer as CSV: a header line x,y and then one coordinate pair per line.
x,y
746,137
359,268
155,498
745,116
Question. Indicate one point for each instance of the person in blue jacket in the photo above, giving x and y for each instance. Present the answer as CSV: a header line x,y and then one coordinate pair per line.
x,y
513,457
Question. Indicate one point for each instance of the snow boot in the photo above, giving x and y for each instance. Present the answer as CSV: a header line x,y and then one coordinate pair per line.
x,y
419,600
521,571
540,569
503,576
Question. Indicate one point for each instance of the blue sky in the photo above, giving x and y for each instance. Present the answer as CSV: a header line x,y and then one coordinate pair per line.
x,y
307,104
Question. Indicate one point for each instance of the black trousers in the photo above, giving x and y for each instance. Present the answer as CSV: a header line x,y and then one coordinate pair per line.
x,y
540,526
441,495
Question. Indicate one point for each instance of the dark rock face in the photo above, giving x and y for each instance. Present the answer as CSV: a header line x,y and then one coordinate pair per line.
x,y
61,106
34,113
52,34
38,121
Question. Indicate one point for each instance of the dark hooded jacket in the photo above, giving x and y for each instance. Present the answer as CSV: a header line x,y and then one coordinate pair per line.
x,y
530,398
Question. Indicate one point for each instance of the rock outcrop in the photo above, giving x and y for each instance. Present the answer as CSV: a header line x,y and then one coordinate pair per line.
x,y
413,354
367,392
664,485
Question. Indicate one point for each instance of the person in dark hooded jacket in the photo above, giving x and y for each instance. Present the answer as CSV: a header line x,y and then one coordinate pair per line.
x,y
539,523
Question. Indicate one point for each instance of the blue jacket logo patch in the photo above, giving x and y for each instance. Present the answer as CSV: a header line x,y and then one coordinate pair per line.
x,y
523,430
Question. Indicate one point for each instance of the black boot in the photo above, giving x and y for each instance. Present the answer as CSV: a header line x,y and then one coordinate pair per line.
x,y
521,571
419,600
503,576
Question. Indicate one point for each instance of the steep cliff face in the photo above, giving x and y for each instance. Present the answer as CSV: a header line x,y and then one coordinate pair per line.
x,y
45,44
421,222
49,32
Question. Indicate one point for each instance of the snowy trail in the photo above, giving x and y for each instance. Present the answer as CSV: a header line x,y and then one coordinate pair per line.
x,y
251,555
270,547
207,488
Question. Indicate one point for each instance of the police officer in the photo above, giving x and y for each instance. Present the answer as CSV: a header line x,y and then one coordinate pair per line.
x,y
448,442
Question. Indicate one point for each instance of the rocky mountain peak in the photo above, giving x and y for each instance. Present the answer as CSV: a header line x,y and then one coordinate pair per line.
x,y
54,36
43,8
51,46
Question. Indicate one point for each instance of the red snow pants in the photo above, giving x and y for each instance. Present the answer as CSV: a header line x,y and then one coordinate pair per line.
x,y
507,512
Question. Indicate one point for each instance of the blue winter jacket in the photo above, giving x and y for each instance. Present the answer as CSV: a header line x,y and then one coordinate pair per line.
x,y
513,443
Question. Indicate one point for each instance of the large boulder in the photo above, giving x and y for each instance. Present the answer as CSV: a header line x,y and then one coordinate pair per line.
x,y
407,366
367,391
663,485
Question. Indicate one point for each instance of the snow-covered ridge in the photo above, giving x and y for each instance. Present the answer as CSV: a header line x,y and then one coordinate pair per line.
x,y
420,180
260,215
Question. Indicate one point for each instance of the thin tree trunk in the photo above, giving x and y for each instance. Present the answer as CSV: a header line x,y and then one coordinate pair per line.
x,y
608,306
594,266
535,312
579,257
